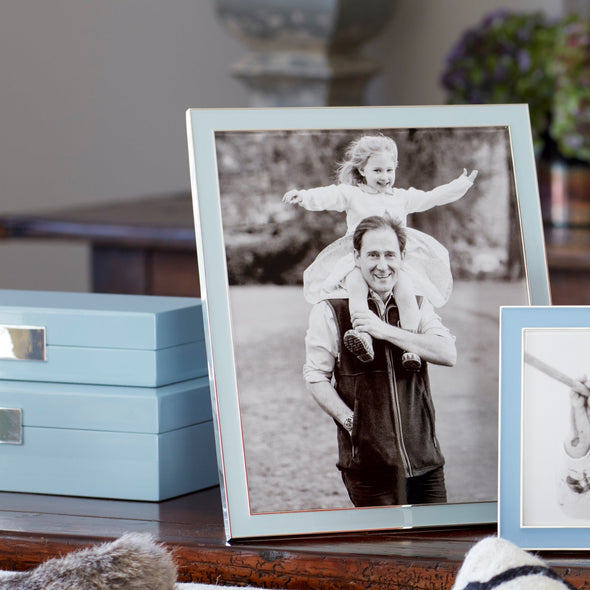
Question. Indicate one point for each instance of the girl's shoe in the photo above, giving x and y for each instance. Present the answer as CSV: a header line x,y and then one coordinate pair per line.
x,y
360,344
411,362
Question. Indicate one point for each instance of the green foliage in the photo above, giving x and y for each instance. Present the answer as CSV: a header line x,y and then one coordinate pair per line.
x,y
571,118
526,58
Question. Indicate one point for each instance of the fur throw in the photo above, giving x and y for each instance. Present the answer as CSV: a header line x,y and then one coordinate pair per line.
x,y
132,562
136,562
497,564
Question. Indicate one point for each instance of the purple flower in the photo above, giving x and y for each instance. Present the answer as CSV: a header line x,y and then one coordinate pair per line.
x,y
500,71
504,59
524,60
493,18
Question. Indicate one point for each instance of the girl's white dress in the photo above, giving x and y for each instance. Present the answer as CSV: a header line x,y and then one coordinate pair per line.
x,y
426,260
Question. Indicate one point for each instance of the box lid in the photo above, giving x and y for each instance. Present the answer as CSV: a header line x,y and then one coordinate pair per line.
x,y
105,320
110,408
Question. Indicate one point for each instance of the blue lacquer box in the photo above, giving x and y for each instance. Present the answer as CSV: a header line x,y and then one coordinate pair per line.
x,y
136,443
104,396
136,340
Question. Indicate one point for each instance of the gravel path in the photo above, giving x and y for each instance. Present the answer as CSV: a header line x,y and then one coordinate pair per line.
x,y
290,444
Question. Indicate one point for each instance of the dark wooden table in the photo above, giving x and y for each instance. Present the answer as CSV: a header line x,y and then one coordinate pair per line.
x,y
147,246
35,528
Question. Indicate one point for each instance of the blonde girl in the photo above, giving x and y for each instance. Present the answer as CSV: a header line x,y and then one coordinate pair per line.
x,y
366,187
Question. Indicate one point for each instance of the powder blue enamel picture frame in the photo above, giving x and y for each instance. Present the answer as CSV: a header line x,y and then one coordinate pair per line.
x,y
277,448
544,453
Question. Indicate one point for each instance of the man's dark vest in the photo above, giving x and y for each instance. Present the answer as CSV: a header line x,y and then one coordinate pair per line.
x,y
393,409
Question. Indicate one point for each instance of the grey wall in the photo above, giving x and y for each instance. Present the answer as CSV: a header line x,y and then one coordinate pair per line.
x,y
93,96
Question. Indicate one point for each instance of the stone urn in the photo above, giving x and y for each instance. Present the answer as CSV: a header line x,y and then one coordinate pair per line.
x,y
305,52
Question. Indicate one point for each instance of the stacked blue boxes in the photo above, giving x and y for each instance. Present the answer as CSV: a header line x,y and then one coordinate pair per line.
x,y
104,396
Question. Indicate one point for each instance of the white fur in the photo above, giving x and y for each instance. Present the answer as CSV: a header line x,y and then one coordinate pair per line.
x,y
492,556
132,562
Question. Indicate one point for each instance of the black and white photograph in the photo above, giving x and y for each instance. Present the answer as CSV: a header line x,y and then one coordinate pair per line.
x,y
556,427
366,269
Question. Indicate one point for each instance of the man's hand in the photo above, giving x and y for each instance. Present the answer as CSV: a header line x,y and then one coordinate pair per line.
x,y
368,321
328,399
292,197
432,348
578,443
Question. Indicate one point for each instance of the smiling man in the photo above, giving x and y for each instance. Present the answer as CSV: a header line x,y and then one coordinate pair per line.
x,y
388,452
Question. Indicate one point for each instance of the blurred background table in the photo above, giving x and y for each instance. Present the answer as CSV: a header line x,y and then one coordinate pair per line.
x,y
147,246
141,246
568,259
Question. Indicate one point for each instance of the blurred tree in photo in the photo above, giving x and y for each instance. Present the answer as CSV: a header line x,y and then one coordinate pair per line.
x,y
268,241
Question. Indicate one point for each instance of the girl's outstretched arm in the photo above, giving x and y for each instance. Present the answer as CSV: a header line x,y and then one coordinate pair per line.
x,y
335,197
417,200
292,197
